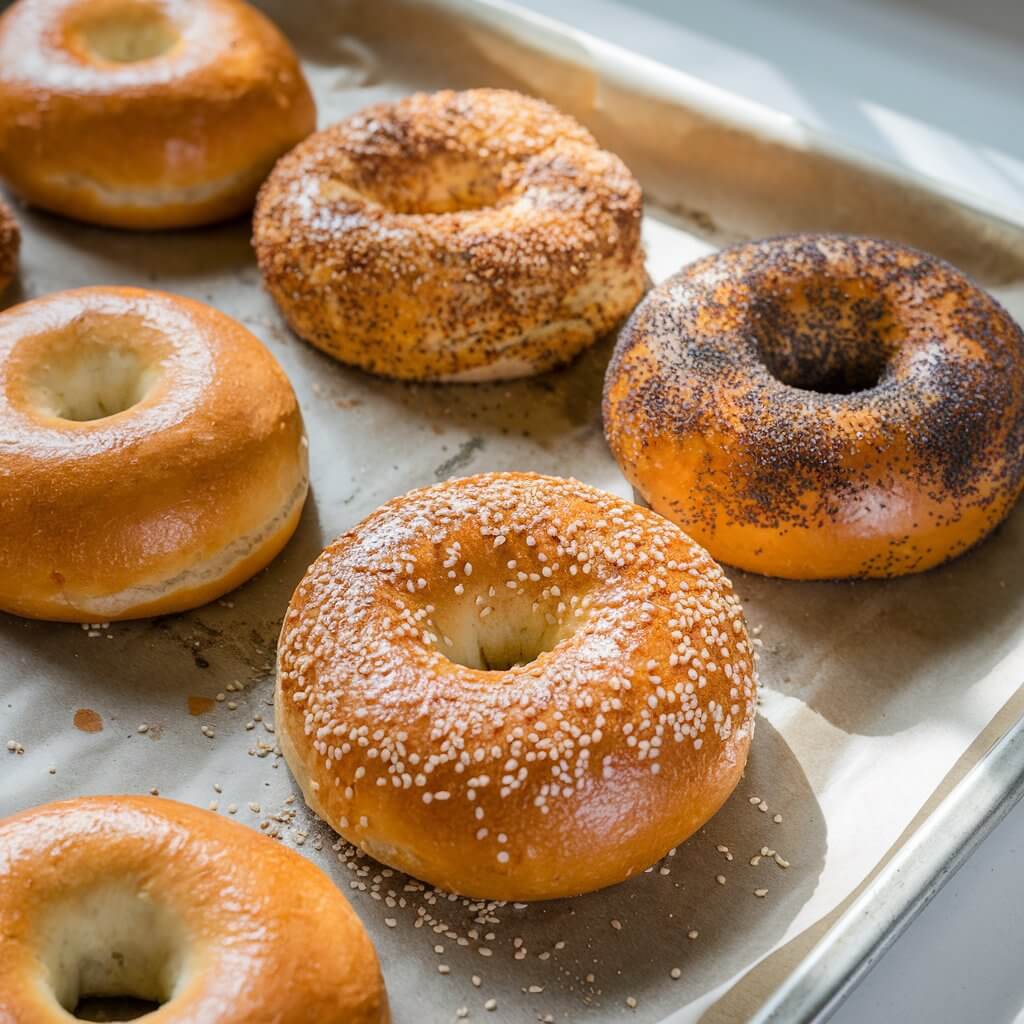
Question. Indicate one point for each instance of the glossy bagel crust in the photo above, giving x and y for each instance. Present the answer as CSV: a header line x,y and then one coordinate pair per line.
x,y
162,506
182,138
474,235
10,245
716,408
264,934
571,771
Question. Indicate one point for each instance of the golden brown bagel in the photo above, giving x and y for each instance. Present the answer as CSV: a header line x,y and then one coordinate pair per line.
x,y
515,687
157,900
822,406
464,236
152,455
10,244
145,113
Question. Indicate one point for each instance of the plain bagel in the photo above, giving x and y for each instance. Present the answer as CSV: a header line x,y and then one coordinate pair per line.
x,y
152,455
127,896
145,113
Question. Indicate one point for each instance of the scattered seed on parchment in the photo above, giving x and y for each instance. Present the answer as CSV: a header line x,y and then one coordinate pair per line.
x,y
491,1004
777,819
760,893
675,973
631,1002
616,924
143,728
692,933
15,747
720,879
443,969
477,982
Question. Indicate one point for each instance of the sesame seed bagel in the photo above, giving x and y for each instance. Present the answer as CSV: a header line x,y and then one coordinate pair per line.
x,y
122,896
10,245
459,236
145,113
515,687
152,455
818,407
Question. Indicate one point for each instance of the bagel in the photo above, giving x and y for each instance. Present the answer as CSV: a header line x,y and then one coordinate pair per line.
x,y
515,687
152,455
145,113
818,407
459,236
10,244
122,896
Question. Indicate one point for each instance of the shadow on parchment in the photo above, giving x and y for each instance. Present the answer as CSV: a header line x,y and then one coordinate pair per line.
x,y
878,657
142,258
170,657
655,911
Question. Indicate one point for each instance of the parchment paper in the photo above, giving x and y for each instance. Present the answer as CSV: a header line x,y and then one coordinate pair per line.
x,y
872,692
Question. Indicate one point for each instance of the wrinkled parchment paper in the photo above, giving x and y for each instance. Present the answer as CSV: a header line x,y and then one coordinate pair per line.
x,y
873,693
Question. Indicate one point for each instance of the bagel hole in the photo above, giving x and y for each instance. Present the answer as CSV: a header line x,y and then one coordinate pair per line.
x,y
91,381
434,185
99,1009
513,633
827,336
128,34
114,949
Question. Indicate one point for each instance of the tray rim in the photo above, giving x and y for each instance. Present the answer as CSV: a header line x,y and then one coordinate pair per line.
x,y
895,893
646,74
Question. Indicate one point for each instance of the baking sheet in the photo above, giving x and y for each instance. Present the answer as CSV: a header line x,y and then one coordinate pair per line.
x,y
872,692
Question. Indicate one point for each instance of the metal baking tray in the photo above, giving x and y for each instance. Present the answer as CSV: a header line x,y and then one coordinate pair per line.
x,y
890,737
